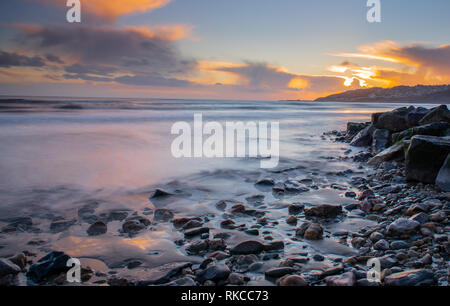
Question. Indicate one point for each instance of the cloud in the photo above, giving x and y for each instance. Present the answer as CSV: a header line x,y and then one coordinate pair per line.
x,y
110,10
413,64
138,56
8,59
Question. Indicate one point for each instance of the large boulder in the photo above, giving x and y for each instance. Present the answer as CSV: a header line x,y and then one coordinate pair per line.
x,y
394,152
394,121
443,177
415,115
380,140
425,157
437,114
354,128
364,137
432,129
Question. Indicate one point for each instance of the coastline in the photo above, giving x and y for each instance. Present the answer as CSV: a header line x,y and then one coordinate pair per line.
x,y
221,251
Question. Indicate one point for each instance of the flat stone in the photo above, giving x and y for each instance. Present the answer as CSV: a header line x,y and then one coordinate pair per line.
x,y
403,226
162,274
420,277
248,247
324,210
346,279
196,231
279,271
215,272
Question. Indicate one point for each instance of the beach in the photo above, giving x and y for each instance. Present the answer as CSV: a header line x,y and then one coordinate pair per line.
x,y
95,179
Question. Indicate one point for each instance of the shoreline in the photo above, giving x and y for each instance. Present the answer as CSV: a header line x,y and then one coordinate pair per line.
x,y
237,241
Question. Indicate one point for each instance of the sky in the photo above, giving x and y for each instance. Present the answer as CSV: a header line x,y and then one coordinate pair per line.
x,y
220,49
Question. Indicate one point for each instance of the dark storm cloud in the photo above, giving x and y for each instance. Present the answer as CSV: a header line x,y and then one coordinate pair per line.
x,y
8,59
127,48
136,57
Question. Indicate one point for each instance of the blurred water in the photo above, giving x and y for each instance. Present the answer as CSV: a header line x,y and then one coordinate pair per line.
x,y
56,155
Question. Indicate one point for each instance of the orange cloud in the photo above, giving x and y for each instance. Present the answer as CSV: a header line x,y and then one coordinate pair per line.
x,y
406,65
165,32
112,9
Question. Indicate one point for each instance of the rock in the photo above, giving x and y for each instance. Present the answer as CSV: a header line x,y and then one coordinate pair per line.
x,y
236,279
437,114
382,245
346,279
350,194
248,247
292,220
21,224
415,115
196,231
20,260
432,129
162,274
192,224
219,255
443,177
7,267
438,217
215,272
292,281
118,282
197,246
217,244
252,231
420,277
417,208
376,236
399,244
422,218
425,157
314,232
324,210
380,140
403,226
182,282
274,245
266,182
51,264
368,193
221,205
61,225
160,193
238,208
163,215
117,215
135,224
332,271
295,209
364,137
354,128
393,121
279,272
394,152
97,228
